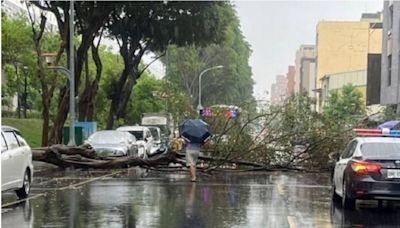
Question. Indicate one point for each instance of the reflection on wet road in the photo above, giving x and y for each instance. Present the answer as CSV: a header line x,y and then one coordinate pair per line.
x,y
129,199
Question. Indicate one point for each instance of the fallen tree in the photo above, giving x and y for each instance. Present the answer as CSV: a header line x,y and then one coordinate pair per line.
x,y
85,157
282,138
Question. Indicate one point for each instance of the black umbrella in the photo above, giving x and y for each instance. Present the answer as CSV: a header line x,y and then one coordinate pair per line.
x,y
195,131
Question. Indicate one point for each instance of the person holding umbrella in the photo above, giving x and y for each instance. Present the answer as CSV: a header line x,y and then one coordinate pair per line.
x,y
195,132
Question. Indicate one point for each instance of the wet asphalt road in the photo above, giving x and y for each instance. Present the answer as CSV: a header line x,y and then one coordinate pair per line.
x,y
135,198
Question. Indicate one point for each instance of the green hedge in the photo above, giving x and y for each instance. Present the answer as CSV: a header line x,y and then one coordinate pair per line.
x,y
31,129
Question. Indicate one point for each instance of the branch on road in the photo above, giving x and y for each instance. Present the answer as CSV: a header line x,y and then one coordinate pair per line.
x,y
83,157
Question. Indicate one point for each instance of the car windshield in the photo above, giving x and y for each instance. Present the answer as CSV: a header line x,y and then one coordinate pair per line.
x,y
108,137
154,133
381,150
138,134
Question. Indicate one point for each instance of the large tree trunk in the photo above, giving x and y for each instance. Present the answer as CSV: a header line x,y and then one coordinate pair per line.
x,y
120,101
88,97
115,99
122,92
46,120
57,129
83,157
46,92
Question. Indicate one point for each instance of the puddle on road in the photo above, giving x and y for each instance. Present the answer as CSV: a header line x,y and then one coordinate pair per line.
x,y
234,200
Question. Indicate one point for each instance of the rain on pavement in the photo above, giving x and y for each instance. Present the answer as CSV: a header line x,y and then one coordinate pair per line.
x,y
136,198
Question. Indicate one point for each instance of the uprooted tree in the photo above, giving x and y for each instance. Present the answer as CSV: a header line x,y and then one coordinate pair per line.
x,y
290,136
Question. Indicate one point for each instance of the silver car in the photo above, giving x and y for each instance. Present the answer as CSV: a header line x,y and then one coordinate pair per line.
x,y
16,162
113,143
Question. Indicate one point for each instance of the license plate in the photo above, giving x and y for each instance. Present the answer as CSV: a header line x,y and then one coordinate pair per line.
x,y
393,173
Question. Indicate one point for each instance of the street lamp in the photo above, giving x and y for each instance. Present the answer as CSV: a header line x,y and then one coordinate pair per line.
x,y
199,106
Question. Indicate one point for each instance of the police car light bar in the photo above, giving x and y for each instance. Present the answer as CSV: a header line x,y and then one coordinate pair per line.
x,y
377,132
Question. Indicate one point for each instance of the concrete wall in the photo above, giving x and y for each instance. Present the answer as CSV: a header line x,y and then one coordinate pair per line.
x,y
390,47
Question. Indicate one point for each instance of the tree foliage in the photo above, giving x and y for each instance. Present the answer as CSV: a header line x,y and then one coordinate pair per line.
x,y
344,106
291,134
147,94
150,26
104,87
231,85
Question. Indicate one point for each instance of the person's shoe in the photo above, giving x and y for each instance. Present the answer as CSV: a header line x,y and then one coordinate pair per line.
x,y
193,180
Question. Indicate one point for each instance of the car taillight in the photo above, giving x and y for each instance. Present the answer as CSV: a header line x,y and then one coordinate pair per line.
x,y
362,167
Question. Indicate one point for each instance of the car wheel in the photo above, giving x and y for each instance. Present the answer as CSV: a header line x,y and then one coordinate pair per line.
x,y
26,186
347,201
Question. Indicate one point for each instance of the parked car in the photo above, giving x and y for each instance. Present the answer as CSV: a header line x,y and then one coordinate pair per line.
x,y
16,162
112,143
143,136
369,168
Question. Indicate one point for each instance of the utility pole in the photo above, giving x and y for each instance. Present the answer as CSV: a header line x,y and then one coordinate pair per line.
x,y
72,77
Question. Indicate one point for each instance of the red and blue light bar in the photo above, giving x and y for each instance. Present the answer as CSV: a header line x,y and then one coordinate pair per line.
x,y
377,132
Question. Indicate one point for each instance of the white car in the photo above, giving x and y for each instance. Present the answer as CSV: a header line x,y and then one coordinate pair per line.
x,y
157,143
16,162
143,136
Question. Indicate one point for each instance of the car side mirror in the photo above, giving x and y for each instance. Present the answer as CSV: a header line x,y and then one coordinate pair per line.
x,y
334,156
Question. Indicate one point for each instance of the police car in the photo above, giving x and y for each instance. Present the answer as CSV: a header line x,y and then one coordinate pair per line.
x,y
369,168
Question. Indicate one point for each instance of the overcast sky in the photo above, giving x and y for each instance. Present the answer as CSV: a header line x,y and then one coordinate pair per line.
x,y
275,30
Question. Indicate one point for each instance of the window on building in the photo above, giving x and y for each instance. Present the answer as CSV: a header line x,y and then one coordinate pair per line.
x,y
389,70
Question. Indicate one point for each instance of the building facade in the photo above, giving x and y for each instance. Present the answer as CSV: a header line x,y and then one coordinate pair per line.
x,y
279,90
290,75
305,69
390,89
335,82
343,47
